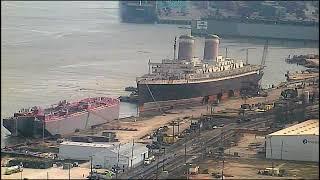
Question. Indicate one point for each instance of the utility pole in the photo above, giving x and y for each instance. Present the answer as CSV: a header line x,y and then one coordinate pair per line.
x,y
132,152
164,156
16,126
185,159
173,123
222,153
69,167
43,121
21,166
157,167
91,165
117,168
178,128
281,148
271,154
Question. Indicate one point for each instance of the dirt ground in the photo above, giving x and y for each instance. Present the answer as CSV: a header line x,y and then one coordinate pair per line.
x,y
147,125
53,173
243,148
247,165
248,168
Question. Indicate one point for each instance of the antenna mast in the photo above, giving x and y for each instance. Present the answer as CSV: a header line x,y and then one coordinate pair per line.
x,y
174,48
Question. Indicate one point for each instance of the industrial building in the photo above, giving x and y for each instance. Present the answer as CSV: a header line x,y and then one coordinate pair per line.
x,y
299,142
106,154
129,156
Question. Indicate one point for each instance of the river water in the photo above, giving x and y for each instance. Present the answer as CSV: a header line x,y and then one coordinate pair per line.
x,y
71,50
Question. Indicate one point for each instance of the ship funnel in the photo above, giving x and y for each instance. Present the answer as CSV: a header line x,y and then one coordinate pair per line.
x,y
186,47
211,49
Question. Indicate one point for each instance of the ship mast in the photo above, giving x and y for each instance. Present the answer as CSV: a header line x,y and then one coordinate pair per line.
x,y
174,48
149,66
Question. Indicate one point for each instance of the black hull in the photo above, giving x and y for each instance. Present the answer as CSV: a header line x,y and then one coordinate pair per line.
x,y
24,126
137,14
165,92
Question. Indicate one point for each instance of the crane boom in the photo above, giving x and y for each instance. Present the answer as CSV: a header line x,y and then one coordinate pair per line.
x,y
264,57
264,54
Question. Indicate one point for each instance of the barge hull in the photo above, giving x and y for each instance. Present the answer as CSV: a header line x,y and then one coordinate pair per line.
x,y
33,126
138,12
256,30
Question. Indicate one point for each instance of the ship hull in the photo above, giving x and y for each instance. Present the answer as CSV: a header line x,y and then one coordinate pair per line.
x,y
229,28
82,120
135,13
25,126
32,126
166,92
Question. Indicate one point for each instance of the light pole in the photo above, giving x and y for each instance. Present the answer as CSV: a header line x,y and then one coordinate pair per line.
x,y
157,167
132,153
91,165
21,166
118,159
185,159
69,170
164,156
43,124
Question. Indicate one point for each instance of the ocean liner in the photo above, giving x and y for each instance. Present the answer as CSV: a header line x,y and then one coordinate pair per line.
x,y
138,11
214,78
63,118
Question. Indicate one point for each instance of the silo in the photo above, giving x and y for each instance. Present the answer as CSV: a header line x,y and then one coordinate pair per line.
x,y
211,48
186,47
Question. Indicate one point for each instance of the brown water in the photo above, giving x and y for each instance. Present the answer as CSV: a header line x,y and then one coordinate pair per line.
x,y
71,50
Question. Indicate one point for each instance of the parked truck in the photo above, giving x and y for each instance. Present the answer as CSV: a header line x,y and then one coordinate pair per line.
x,y
13,169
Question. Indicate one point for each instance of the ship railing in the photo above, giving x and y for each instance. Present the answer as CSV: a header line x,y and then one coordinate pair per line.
x,y
226,73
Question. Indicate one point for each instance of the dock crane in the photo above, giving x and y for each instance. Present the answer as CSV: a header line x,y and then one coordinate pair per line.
x,y
264,54
263,60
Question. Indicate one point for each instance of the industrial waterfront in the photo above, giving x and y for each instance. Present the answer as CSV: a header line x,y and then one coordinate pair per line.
x,y
59,51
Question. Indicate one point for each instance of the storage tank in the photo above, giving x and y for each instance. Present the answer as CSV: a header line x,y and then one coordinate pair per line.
x,y
211,48
186,47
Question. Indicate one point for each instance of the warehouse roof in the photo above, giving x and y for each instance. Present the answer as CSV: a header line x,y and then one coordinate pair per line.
x,y
309,127
83,144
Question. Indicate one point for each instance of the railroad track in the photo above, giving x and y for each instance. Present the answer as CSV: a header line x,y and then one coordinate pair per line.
x,y
199,142
194,150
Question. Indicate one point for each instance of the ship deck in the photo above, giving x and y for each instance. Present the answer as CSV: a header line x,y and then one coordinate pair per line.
x,y
198,78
